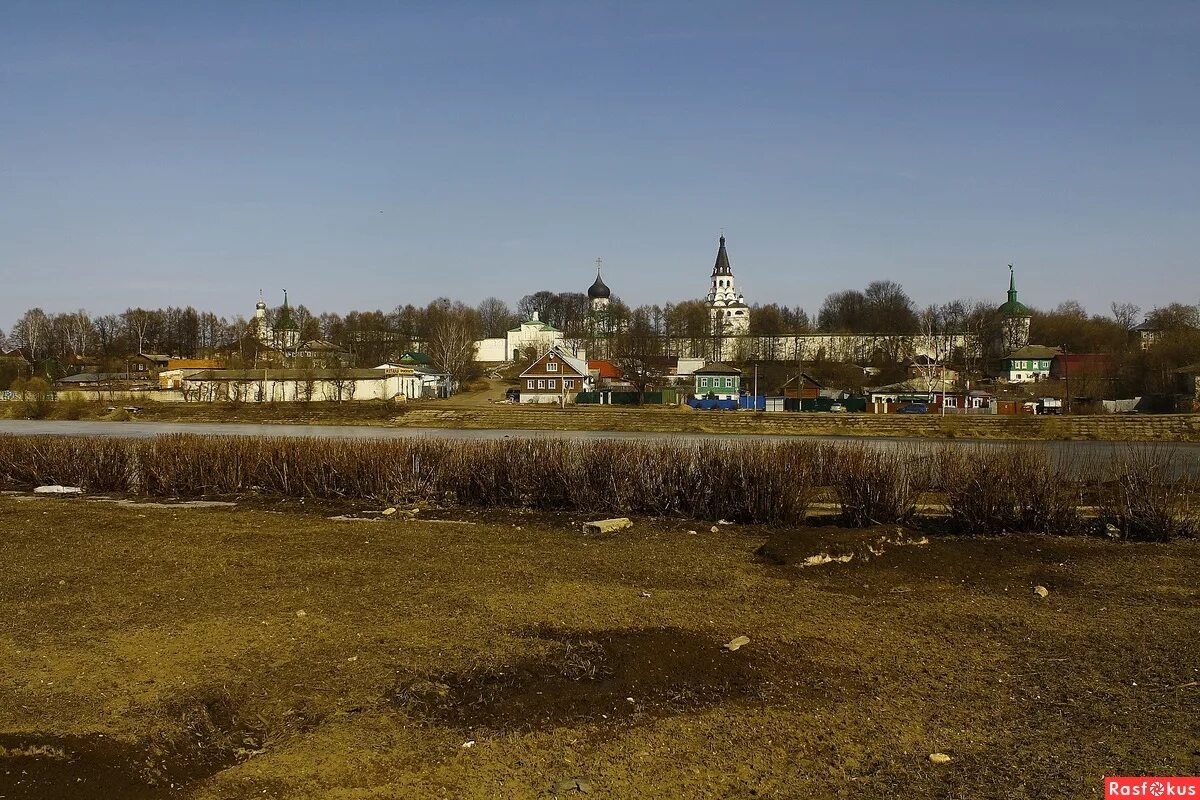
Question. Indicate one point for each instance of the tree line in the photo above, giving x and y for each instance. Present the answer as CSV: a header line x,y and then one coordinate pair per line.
x,y
58,344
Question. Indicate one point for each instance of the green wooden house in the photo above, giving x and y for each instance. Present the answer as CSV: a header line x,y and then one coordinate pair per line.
x,y
718,381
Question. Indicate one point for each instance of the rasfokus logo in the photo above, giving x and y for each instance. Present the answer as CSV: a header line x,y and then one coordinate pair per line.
x,y
1152,787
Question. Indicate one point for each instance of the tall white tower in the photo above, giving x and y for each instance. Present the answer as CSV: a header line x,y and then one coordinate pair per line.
x,y
730,314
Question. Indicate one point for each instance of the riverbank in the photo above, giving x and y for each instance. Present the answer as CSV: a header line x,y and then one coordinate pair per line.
x,y
1117,428
156,650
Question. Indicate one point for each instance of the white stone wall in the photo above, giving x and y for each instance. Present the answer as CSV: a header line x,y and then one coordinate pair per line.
x,y
492,350
287,390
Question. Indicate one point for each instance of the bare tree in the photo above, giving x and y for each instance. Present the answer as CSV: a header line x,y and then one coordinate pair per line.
x,y
495,317
450,339
31,333
638,351
1126,314
141,323
340,378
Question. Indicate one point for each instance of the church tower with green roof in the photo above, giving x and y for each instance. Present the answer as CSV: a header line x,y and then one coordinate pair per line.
x,y
1015,317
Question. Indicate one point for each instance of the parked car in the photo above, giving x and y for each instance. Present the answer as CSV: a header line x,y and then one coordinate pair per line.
x,y
512,396
837,408
913,408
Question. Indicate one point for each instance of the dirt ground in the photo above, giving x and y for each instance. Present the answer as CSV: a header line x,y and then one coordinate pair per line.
x,y
153,651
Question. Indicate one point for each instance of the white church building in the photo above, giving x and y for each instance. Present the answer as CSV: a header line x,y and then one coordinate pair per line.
x,y
531,335
730,314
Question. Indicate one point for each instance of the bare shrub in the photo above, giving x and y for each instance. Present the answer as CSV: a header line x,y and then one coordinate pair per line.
x,y
96,464
878,485
1145,496
1009,489
748,482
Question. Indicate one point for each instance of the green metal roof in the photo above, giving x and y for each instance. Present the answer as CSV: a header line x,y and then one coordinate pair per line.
x,y
1013,307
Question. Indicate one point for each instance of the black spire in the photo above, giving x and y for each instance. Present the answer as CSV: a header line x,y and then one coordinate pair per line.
x,y
722,265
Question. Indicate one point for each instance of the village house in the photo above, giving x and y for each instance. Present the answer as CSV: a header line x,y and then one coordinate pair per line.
x,y
916,396
324,353
1147,334
177,368
926,368
801,387
555,377
605,374
1029,364
434,382
147,363
718,381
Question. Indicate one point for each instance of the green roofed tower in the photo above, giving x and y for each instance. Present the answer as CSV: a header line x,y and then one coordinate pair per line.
x,y
1015,317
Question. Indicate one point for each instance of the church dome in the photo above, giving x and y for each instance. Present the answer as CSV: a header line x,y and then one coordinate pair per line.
x,y
598,291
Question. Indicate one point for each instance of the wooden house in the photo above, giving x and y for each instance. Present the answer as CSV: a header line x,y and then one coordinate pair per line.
x,y
555,377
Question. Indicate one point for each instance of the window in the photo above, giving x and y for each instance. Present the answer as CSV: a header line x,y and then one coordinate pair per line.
x,y
550,384
532,382
551,366
729,383
541,383
568,383
950,402
703,383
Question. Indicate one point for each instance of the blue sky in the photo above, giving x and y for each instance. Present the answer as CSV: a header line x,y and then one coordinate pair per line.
x,y
366,155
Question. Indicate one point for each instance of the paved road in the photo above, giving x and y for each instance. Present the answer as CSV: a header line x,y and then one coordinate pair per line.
x,y
1184,454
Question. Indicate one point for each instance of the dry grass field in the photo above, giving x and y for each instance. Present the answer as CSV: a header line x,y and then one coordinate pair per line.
x,y
150,650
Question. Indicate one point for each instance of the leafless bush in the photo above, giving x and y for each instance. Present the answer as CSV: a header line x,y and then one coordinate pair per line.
x,y
747,482
1146,497
877,485
1009,489
96,464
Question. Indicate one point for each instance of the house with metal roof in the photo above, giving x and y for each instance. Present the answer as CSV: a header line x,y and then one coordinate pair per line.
x,y
718,381
555,377
1030,363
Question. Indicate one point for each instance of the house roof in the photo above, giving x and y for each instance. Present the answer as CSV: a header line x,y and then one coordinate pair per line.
x,y
322,346
12,355
415,357
1031,351
606,369
96,377
534,323
920,387
156,357
578,365
718,367
194,363
808,378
